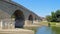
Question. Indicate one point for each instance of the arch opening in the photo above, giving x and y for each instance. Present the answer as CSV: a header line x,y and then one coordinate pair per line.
x,y
30,18
19,19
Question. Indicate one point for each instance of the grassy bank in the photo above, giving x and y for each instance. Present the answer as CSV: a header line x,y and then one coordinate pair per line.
x,y
52,23
54,28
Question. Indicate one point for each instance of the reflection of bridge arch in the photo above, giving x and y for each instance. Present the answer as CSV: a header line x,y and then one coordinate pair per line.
x,y
30,18
19,19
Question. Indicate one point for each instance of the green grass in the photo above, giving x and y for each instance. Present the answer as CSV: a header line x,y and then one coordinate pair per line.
x,y
52,23
54,28
58,30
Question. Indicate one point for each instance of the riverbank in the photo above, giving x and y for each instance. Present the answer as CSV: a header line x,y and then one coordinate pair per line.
x,y
16,31
34,27
55,28
52,25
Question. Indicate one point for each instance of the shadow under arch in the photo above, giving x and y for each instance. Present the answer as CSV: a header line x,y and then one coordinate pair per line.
x,y
19,19
30,18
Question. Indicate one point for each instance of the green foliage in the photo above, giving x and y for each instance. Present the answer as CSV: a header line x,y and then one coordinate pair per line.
x,y
58,13
54,17
49,18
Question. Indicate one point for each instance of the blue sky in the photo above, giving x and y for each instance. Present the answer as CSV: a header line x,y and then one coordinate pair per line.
x,y
40,7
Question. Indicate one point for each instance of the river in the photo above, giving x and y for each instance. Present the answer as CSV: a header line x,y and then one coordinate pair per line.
x,y
45,30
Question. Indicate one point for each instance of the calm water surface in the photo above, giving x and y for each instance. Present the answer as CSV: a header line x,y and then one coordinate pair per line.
x,y
45,30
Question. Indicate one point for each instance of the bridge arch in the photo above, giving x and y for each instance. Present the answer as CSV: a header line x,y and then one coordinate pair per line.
x,y
19,18
30,18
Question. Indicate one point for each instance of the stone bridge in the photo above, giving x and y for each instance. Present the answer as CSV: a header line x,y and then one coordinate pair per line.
x,y
13,15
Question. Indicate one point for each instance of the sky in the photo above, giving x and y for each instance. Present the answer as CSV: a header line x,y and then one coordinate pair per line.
x,y
40,7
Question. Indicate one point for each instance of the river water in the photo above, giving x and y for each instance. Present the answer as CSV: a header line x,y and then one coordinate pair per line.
x,y
45,30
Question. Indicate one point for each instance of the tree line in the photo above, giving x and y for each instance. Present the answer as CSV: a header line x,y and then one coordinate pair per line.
x,y
54,17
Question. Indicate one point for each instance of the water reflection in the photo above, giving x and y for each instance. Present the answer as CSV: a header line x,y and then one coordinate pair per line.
x,y
45,30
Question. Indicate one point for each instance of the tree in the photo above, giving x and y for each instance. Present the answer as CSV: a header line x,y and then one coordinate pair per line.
x,y
58,15
49,18
54,17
